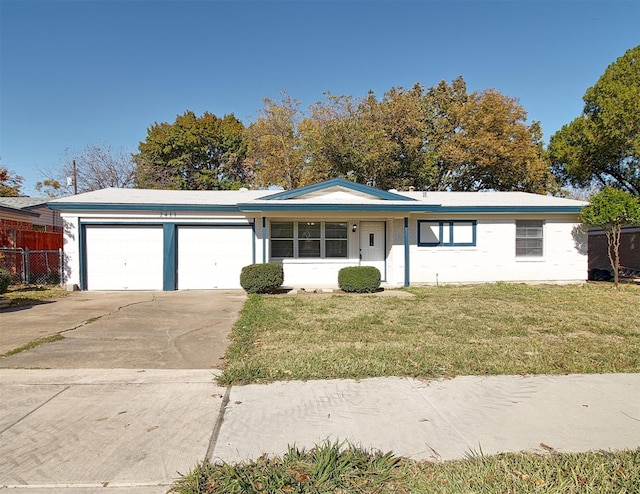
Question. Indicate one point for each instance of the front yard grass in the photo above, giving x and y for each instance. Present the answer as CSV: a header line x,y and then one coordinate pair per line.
x,y
327,468
443,331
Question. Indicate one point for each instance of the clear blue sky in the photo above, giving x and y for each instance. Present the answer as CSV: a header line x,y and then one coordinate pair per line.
x,y
78,73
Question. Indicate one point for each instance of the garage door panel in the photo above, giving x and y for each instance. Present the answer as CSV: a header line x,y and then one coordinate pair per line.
x,y
124,258
212,257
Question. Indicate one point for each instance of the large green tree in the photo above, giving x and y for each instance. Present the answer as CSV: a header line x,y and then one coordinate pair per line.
x,y
611,209
603,144
275,151
193,153
346,138
482,141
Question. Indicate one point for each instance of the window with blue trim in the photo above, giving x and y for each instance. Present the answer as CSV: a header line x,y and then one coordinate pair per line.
x,y
315,239
447,233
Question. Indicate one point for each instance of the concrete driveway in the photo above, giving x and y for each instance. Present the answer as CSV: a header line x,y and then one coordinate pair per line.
x,y
124,402
124,330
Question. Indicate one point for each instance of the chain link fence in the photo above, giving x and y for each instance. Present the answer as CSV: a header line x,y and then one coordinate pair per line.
x,y
38,267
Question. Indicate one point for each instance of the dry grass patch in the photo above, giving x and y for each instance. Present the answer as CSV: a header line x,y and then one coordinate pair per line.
x,y
33,294
445,331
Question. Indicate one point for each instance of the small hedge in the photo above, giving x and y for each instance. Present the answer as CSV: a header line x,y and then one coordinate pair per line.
x,y
359,279
5,280
261,278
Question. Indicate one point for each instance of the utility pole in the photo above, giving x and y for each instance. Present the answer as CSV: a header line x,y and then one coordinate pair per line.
x,y
75,179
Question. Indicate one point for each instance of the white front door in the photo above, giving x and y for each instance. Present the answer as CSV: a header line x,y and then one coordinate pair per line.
x,y
373,245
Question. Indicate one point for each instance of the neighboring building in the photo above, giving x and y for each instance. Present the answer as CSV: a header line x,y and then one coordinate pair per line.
x,y
118,239
28,223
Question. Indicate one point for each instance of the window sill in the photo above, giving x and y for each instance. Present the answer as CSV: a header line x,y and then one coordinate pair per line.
x,y
316,260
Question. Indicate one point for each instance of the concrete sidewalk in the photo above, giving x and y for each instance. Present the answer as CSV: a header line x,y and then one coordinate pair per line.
x,y
92,430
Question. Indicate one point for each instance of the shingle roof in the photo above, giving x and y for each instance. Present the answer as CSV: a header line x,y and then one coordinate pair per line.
x,y
256,200
22,202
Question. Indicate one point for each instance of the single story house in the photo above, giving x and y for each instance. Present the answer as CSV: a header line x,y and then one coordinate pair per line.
x,y
134,239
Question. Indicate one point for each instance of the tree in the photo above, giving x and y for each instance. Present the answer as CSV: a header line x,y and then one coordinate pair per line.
x,y
603,144
97,167
275,152
481,141
344,140
193,153
10,183
50,187
611,209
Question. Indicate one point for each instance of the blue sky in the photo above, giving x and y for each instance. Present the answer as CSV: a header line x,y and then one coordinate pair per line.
x,y
79,73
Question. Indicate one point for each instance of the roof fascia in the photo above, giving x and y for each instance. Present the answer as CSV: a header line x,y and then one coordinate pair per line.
x,y
415,208
78,206
337,182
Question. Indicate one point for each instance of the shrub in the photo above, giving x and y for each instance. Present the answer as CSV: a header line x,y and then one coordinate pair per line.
x,y
360,279
261,278
5,280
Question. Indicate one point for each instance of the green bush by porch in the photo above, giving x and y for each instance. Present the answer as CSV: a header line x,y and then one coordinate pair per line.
x,y
359,279
262,278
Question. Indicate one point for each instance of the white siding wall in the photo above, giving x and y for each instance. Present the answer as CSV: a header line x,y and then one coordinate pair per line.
x,y
71,250
314,272
493,258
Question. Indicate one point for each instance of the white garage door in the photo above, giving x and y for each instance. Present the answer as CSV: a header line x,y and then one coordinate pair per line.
x,y
212,257
124,258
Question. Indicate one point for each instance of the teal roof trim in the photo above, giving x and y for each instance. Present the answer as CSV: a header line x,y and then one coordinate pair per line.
x,y
78,206
338,182
508,209
413,207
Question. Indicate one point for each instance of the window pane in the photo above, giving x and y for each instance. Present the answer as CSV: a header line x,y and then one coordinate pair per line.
x,y
335,230
528,247
463,232
308,248
529,238
529,229
282,229
446,233
429,232
336,248
281,248
309,230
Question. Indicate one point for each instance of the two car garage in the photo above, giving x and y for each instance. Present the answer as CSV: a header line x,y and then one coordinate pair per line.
x,y
165,256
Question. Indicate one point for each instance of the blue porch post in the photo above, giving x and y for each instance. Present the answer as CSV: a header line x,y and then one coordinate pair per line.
x,y
264,240
406,252
169,251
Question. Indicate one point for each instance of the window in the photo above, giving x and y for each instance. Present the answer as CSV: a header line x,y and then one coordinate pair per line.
x,y
282,239
458,233
308,239
335,239
529,238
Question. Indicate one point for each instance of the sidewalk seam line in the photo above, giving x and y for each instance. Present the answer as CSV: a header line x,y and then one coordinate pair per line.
x,y
218,425
34,410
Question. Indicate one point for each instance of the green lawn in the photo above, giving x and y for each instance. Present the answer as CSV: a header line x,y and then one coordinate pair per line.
x,y
330,469
443,331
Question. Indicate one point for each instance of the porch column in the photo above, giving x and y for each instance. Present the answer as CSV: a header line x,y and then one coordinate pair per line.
x,y
406,252
264,240
169,255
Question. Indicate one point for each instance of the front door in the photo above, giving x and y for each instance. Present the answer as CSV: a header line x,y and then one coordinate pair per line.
x,y
373,245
